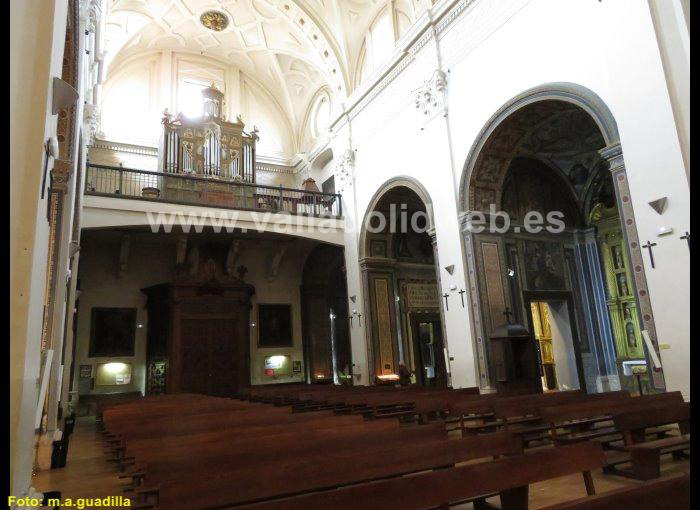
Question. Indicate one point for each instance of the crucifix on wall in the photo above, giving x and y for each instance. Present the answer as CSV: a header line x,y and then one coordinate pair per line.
x,y
447,305
461,295
649,246
508,314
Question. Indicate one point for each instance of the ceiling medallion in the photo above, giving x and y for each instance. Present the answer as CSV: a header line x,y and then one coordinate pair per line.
x,y
214,20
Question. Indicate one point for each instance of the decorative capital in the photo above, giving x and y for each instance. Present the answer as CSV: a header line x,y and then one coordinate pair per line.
x,y
345,170
430,98
90,13
60,174
613,155
91,121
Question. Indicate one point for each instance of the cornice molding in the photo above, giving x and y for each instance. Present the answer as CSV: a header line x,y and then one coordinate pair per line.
x,y
431,25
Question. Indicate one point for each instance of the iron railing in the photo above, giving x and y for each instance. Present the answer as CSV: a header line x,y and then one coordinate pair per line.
x,y
103,180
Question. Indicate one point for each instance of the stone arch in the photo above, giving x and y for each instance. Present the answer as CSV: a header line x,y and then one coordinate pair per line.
x,y
391,269
478,173
395,182
507,134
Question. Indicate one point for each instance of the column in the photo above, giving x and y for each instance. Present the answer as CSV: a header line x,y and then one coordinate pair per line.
x,y
614,158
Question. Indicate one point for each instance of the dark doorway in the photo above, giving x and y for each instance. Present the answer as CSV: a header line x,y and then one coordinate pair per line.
x,y
429,351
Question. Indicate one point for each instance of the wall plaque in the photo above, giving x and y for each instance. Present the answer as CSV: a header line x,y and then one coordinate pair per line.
x,y
422,295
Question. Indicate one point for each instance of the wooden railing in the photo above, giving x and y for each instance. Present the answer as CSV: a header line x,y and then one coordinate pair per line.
x,y
120,182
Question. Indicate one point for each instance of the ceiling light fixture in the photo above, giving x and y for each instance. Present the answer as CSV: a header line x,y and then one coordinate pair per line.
x,y
214,20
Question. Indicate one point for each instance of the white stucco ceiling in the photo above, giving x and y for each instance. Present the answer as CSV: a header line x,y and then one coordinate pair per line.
x,y
292,48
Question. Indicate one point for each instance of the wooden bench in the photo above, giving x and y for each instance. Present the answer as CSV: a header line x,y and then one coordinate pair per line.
x,y
671,493
592,419
510,477
180,463
288,476
645,455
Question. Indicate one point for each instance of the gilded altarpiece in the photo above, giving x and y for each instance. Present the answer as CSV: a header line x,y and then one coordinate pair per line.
x,y
622,306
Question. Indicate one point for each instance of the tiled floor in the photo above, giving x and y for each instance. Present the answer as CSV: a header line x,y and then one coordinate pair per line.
x,y
88,475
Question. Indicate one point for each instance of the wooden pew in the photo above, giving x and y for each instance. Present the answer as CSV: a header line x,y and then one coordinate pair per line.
x,y
645,455
131,447
258,452
234,438
671,493
297,475
510,477
183,425
582,416
500,411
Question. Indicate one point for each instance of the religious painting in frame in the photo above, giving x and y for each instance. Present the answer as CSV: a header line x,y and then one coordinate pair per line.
x,y
112,332
544,265
275,325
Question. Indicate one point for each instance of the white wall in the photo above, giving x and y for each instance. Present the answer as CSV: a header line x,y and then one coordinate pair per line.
x,y
37,35
491,53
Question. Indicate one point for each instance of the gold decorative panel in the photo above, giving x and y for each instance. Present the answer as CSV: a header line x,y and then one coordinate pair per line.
x,y
384,329
493,276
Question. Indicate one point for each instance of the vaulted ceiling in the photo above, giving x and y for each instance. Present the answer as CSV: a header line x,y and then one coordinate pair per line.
x,y
292,48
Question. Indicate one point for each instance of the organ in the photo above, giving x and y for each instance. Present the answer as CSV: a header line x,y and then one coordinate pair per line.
x,y
208,146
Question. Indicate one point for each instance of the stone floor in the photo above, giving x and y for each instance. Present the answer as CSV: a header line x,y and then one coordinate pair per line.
x,y
89,475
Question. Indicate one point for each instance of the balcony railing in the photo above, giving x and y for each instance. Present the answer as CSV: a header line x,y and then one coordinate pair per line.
x,y
130,183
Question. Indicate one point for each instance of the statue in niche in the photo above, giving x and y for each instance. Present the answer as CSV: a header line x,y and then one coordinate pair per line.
x,y
622,280
631,336
617,254
628,314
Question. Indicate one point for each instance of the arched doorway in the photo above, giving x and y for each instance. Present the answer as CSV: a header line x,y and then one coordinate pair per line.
x,y
578,287
324,299
402,300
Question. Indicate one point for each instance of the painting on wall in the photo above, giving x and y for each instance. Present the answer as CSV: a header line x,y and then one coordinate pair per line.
x,y
112,332
544,265
275,325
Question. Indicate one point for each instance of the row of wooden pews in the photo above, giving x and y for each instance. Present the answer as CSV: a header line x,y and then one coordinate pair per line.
x,y
301,446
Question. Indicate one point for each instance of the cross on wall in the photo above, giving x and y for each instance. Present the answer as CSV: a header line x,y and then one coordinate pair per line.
x,y
649,246
508,313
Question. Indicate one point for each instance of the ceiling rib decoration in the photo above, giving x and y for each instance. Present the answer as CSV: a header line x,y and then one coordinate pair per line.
x,y
292,48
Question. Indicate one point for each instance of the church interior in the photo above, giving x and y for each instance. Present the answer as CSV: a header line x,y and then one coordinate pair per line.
x,y
411,254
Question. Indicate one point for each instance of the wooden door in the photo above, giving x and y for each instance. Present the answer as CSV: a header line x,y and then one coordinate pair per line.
x,y
194,375
223,355
209,357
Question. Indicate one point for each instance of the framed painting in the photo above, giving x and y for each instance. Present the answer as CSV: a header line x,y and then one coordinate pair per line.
x,y
112,332
275,325
544,265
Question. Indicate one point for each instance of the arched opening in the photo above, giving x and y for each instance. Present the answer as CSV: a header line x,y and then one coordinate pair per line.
x,y
397,256
325,328
550,251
